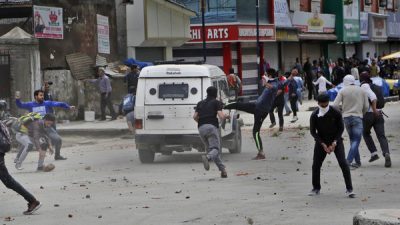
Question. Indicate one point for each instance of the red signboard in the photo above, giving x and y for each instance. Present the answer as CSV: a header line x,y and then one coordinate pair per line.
x,y
232,33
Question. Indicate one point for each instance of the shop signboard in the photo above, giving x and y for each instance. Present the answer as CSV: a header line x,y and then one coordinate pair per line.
x,y
232,33
363,23
287,35
48,22
103,34
314,22
281,14
351,24
377,25
10,2
393,25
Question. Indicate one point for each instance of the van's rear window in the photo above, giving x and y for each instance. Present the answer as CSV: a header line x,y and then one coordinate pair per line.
x,y
173,90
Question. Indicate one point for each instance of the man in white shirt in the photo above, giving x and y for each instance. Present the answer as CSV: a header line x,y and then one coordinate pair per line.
x,y
354,105
321,82
374,118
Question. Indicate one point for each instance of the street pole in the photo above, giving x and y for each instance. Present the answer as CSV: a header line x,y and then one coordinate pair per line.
x,y
203,30
258,44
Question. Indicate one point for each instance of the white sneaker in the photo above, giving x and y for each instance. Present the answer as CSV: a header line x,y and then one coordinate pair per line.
x,y
313,192
294,119
18,166
350,194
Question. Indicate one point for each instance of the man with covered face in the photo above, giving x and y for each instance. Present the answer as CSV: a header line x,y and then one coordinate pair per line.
x,y
44,107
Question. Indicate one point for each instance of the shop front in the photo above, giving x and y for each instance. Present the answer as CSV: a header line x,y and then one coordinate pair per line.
x,y
316,31
393,31
232,45
347,28
286,36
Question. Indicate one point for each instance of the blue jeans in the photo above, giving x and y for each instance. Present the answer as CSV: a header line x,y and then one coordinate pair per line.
x,y
354,127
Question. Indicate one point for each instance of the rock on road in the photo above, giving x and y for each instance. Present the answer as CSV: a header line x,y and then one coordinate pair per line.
x,y
103,182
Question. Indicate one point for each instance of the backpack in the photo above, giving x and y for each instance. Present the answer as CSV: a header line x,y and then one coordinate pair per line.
x,y
380,100
128,103
238,82
5,138
25,120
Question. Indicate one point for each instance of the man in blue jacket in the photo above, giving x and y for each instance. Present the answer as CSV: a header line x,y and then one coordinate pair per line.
x,y
44,107
259,109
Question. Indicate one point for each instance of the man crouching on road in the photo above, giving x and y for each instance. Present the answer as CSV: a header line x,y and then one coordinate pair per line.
x,y
326,126
206,117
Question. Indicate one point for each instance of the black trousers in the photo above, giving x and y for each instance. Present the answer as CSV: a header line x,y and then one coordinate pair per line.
x,y
280,114
259,118
310,88
319,157
106,102
10,183
378,123
293,104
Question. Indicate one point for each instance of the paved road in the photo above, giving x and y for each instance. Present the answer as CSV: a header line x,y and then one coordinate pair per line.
x,y
103,182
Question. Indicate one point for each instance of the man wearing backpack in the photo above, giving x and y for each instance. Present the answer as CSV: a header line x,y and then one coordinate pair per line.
x,y
7,179
44,107
374,118
31,132
234,82
128,108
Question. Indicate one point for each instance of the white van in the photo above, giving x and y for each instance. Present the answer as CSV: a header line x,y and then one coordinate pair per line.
x,y
166,98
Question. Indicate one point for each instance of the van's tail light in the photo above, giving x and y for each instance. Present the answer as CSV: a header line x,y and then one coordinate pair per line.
x,y
139,124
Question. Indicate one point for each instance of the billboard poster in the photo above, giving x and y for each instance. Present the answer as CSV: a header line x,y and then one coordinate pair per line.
x,y
48,22
393,25
314,22
281,14
364,23
351,24
103,34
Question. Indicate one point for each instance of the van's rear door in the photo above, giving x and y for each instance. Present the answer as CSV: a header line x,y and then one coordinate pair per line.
x,y
170,102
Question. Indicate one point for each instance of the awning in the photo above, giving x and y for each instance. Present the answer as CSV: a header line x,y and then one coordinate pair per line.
x,y
317,36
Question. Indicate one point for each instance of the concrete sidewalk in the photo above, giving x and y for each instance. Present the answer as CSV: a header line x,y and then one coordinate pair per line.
x,y
119,126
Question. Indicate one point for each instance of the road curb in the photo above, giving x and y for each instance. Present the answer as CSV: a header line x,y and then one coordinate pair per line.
x,y
377,217
92,132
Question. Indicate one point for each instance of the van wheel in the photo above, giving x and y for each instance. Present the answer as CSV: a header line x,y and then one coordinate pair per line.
x,y
237,146
146,155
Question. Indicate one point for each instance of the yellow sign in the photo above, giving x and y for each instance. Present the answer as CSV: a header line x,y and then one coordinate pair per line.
x,y
286,35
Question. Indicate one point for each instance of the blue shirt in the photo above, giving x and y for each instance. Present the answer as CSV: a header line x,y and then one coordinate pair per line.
x,y
103,83
266,99
41,108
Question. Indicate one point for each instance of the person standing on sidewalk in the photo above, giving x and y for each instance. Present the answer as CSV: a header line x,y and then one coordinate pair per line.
x,y
105,94
355,104
326,127
45,107
260,110
206,117
132,79
374,119
8,180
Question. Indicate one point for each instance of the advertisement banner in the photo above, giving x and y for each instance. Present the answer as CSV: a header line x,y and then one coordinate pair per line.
x,y
393,25
15,1
232,33
351,24
363,23
314,22
377,28
281,14
103,34
48,22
